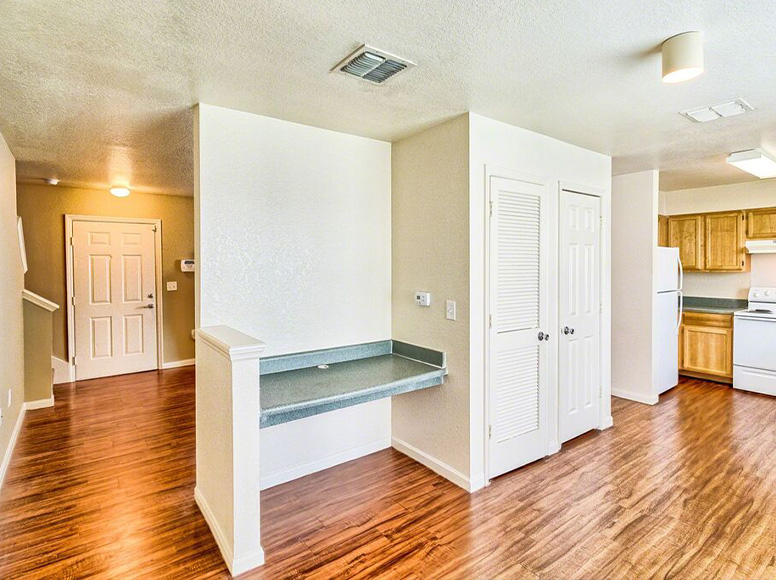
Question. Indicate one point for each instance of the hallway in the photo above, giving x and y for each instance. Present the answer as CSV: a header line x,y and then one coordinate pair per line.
x,y
101,486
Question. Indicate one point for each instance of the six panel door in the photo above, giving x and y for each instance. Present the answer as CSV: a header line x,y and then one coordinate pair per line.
x,y
518,298
579,367
114,284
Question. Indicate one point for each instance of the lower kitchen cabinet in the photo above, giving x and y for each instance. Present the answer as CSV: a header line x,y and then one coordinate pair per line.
x,y
706,346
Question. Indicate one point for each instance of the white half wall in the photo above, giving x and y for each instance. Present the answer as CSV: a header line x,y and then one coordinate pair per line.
x,y
293,246
634,240
497,144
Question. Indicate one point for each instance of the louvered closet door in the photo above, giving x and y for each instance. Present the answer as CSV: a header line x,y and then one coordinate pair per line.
x,y
518,306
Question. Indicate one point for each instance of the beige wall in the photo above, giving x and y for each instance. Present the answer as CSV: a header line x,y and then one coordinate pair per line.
x,y
12,325
430,230
43,208
747,195
37,353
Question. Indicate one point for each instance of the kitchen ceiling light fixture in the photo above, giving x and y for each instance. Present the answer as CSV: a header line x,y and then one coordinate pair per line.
x,y
682,57
754,161
119,191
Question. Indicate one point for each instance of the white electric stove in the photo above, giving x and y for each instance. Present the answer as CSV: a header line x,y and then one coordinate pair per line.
x,y
754,343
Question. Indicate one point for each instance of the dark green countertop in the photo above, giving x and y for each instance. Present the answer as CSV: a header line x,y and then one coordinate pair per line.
x,y
303,392
713,305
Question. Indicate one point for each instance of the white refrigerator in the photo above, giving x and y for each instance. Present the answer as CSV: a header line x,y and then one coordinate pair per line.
x,y
667,318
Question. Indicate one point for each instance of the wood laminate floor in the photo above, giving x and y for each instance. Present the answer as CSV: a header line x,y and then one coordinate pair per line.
x,y
101,486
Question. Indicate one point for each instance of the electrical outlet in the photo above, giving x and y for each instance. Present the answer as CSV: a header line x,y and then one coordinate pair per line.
x,y
172,286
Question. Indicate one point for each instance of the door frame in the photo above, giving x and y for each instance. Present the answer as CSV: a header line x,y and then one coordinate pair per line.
x,y
552,355
69,220
604,314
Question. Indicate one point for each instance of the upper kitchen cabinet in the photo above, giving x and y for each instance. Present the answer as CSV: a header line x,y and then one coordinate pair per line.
x,y
761,224
724,242
686,233
662,231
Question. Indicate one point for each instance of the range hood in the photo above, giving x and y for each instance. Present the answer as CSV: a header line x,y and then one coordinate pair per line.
x,y
761,247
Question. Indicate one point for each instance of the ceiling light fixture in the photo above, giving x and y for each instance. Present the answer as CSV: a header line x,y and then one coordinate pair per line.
x,y
51,181
754,161
119,191
682,57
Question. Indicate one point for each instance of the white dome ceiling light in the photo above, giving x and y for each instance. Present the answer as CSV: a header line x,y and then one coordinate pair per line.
x,y
119,191
682,57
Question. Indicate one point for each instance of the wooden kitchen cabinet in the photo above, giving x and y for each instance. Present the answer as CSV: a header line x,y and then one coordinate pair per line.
x,y
662,231
723,241
686,233
706,348
761,224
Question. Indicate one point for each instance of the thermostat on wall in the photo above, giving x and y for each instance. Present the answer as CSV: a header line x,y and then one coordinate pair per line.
x,y
187,265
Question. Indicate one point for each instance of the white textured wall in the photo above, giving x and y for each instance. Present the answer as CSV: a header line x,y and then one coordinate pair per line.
x,y
499,144
11,285
634,239
431,253
752,194
293,242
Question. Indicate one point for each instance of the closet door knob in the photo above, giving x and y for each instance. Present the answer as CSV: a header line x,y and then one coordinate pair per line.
x,y
541,336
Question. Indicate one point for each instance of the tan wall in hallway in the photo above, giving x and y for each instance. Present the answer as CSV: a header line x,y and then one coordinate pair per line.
x,y
43,208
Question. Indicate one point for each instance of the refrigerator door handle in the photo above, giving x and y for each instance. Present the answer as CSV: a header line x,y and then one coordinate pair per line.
x,y
681,272
681,310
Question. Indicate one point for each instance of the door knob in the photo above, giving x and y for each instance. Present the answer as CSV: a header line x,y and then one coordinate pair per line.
x,y
148,306
567,330
541,336
547,336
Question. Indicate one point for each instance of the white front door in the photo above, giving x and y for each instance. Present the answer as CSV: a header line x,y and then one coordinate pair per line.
x,y
518,343
579,372
114,292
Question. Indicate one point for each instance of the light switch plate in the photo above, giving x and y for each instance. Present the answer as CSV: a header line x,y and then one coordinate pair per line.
x,y
450,310
172,286
423,298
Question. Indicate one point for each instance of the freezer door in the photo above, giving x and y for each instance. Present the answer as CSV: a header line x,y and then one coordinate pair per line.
x,y
666,341
668,270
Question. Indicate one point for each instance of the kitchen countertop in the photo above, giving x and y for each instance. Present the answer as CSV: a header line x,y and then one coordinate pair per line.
x,y
294,386
713,305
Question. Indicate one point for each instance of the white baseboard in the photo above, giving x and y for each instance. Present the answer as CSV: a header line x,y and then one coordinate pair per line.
x,y
11,445
606,423
298,471
236,566
179,363
638,397
439,467
39,404
64,372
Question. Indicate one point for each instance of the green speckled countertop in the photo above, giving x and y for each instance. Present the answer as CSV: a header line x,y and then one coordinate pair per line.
x,y
713,305
302,392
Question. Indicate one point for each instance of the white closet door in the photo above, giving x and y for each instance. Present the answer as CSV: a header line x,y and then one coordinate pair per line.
x,y
114,287
579,370
519,314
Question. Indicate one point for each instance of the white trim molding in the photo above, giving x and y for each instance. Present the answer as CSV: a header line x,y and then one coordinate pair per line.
x,y
64,372
638,397
439,467
39,404
39,301
11,445
179,363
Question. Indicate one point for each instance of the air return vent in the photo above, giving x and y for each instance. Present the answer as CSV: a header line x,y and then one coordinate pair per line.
x,y
371,64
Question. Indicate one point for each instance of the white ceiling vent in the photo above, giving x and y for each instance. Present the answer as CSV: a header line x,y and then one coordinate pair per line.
x,y
727,109
371,64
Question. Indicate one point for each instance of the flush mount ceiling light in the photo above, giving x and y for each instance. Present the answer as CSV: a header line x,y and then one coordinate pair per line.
x,y
754,161
726,109
119,191
51,181
682,57
372,64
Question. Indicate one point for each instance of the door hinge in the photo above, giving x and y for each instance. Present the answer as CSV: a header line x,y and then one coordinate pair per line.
x,y
72,300
490,321
490,208
74,360
71,240
490,431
